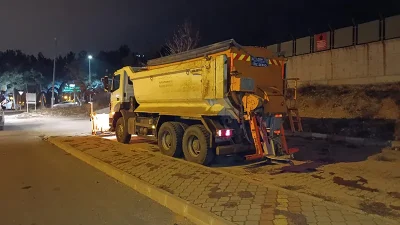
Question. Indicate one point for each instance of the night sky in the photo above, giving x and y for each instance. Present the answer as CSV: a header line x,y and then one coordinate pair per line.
x,y
94,25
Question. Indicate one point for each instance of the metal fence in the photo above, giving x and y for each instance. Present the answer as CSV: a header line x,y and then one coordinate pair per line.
x,y
377,30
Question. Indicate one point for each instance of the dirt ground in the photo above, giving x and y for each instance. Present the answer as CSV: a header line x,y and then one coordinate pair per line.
x,y
367,111
79,111
357,101
367,178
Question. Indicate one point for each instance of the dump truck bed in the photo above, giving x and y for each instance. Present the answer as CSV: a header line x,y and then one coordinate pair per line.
x,y
199,82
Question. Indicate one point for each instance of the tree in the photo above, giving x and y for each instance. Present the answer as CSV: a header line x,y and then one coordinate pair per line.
x,y
13,80
184,38
18,80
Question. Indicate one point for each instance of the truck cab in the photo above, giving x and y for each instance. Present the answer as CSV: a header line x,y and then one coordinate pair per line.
x,y
121,90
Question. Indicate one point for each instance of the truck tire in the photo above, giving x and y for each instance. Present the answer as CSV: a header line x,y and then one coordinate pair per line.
x,y
196,145
170,139
121,131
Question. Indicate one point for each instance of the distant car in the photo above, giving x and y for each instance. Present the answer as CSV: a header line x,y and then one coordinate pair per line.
x,y
66,104
1,119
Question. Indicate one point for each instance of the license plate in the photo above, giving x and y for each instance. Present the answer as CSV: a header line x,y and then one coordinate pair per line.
x,y
259,62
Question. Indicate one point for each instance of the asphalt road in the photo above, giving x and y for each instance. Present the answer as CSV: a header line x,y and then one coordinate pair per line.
x,y
42,185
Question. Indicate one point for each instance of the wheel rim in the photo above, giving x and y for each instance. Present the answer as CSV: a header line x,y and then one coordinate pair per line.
x,y
120,131
194,146
166,140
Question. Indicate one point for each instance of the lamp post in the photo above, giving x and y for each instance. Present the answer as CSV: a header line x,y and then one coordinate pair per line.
x,y
90,57
20,99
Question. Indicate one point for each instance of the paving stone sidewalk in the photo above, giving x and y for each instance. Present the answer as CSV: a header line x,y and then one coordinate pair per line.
x,y
237,200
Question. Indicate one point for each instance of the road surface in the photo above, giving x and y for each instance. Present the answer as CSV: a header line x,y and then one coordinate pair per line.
x,y
42,185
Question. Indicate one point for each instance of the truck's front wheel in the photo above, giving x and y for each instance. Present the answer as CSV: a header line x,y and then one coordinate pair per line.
x,y
196,145
121,131
170,139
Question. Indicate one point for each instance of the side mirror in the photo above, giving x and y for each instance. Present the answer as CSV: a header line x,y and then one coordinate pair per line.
x,y
104,80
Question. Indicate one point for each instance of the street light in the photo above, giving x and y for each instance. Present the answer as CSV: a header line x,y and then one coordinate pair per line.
x,y
20,99
90,57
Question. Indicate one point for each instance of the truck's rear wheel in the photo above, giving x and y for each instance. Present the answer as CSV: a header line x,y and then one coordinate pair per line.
x,y
170,139
196,145
121,131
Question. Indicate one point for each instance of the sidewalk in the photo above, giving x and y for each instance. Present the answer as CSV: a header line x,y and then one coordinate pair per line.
x,y
362,177
225,195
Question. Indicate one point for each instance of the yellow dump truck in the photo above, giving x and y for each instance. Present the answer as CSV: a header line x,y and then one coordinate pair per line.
x,y
221,99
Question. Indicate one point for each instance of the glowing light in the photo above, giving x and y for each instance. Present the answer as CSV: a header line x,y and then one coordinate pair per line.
x,y
90,57
101,122
224,133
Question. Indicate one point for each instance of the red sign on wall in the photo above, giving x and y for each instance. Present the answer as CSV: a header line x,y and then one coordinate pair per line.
x,y
321,41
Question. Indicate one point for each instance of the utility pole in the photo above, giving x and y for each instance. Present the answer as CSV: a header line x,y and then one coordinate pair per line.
x,y
54,72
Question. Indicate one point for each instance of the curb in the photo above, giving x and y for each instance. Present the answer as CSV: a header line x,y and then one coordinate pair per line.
x,y
350,140
179,206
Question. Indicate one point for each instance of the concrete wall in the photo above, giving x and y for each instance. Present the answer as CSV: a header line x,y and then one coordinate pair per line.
x,y
273,48
376,62
392,29
343,37
303,45
368,32
287,47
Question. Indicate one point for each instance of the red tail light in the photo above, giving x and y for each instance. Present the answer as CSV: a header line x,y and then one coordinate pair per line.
x,y
224,133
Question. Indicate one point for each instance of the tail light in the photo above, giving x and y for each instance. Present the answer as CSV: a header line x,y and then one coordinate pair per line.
x,y
224,133
278,115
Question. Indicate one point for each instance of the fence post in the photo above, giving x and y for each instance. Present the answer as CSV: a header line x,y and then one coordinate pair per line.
x,y
311,40
293,45
332,37
355,32
381,27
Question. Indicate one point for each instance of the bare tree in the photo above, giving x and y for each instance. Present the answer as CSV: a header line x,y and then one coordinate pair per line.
x,y
184,38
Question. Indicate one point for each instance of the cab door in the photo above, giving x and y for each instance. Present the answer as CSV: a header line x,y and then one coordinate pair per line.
x,y
116,92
